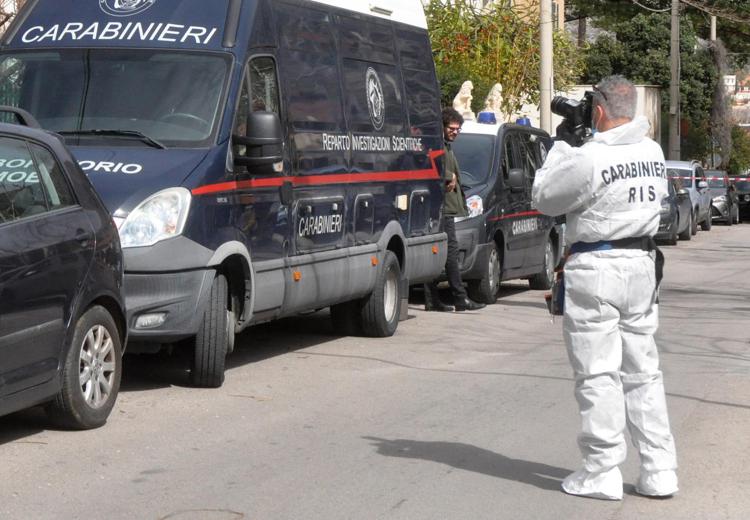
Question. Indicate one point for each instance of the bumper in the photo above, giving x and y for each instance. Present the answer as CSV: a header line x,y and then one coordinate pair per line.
x,y
473,249
180,297
720,210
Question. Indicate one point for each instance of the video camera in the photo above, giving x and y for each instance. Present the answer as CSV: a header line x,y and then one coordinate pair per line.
x,y
576,126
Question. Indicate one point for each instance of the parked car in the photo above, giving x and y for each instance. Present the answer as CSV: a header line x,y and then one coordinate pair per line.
x,y
723,197
504,237
694,181
62,318
675,214
742,189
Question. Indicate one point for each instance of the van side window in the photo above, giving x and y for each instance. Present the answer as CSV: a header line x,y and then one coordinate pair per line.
x,y
264,87
510,160
422,105
529,155
310,68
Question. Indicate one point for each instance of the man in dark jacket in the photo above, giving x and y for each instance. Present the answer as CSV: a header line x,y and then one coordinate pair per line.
x,y
453,206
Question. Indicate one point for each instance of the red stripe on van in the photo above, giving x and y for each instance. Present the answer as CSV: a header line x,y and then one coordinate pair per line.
x,y
515,215
318,180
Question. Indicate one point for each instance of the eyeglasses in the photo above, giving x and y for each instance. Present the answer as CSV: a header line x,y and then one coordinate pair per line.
x,y
596,89
454,129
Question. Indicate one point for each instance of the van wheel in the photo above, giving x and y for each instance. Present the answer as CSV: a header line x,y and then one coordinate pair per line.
x,y
347,318
546,277
485,290
706,224
91,373
380,310
212,340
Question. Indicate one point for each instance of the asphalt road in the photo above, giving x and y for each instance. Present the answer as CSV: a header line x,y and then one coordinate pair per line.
x,y
459,416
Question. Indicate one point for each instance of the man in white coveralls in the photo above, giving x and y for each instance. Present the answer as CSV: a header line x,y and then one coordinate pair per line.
x,y
610,190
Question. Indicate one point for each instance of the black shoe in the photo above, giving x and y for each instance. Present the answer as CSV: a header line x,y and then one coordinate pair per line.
x,y
438,307
465,304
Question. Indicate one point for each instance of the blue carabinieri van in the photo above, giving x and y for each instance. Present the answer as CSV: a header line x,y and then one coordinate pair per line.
x,y
260,157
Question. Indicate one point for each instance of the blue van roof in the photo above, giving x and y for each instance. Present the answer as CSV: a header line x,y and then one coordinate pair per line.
x,y
185,24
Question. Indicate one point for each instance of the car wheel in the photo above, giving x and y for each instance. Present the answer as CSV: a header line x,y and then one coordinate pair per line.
x,y
694,222
380,310
687,233
546,277
91,373
706,224
212,340
485,289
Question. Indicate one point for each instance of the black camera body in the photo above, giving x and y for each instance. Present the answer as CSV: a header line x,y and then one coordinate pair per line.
x,y
576,126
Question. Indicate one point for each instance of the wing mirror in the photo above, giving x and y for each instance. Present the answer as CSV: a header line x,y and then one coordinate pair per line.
x,y
516,180
702,185
263,144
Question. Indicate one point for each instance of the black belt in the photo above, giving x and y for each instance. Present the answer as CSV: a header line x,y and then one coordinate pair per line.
x,y
642,243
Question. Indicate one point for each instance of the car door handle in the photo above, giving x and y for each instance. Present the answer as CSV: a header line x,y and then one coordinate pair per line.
x,y
83,237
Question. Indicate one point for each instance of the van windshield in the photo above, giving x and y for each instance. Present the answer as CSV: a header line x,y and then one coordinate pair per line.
x,y
685,175
474,155
716,182
110,97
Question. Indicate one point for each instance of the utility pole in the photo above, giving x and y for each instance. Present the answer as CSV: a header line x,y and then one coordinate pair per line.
x,y
713,28
674,87
545,74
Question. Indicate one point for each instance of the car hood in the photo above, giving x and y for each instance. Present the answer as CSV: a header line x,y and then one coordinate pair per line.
x,y
124,178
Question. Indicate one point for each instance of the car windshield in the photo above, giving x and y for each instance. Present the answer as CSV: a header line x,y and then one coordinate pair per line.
x,y
685,175
109,97
743,185
474,153
716,182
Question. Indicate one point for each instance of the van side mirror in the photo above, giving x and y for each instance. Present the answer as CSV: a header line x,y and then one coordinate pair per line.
x,y
264,142
516,180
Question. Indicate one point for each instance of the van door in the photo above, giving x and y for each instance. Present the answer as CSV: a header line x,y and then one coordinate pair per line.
x,y
514,213
535,230
262,218
46,250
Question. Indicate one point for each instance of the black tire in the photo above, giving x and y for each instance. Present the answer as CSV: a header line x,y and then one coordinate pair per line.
x,y
706,224
687,234
94,355
380,310
485,289
212,340
546,277
347,318
694,222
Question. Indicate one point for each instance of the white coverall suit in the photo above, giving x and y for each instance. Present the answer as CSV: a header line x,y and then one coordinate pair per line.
x,y
611,188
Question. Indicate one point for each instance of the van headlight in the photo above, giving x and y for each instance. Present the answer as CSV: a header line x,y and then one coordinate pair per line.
x,y
159,217
475,205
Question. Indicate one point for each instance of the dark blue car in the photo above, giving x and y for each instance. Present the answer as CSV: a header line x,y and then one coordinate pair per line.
x,y
62,319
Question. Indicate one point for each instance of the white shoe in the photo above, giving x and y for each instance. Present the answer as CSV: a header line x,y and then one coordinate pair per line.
x,y
657,483
606,485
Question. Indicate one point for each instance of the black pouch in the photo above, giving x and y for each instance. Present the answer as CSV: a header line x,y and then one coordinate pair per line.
x,y
556,299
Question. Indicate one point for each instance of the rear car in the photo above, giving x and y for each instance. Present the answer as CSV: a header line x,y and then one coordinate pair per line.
x,y
504,237
723,197
675,215
62,318
742,189
693,179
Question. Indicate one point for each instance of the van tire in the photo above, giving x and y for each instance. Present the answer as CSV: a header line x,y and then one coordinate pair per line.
x,y
212,340
706,224
380,310
694,222
544,279
347,318
485,289
97,337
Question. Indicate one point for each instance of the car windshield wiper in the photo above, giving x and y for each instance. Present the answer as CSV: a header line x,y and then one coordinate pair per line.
x,y
118,133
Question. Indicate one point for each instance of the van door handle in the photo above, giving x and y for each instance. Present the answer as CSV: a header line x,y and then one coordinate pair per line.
x,y
83,237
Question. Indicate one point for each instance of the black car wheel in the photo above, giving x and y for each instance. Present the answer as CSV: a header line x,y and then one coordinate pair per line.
x,y
485,289
694,222
91,373
706,224
212,340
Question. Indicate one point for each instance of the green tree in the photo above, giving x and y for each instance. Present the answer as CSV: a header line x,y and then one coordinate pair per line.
x,y
739,163
495,45
639,49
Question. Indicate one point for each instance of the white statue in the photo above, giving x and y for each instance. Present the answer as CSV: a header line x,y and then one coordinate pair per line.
x,y
494,102
462,101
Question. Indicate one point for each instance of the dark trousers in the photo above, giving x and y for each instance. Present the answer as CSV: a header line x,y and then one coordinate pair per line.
x,y
452,269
